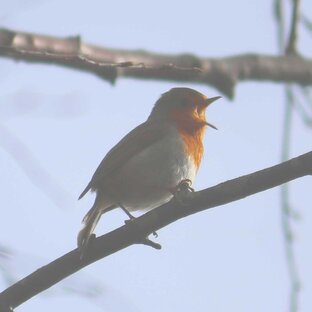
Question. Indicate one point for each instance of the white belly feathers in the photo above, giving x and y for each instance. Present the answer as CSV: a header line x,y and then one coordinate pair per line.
x,y
141,185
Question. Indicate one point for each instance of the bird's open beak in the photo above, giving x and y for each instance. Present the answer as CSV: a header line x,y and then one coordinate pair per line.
x,y
208,102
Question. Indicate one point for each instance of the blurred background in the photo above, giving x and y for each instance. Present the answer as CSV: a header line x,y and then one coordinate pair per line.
x,y
57,124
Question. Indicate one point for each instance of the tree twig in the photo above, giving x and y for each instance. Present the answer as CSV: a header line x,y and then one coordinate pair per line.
x,y
287,212
136,231
293,36
111,64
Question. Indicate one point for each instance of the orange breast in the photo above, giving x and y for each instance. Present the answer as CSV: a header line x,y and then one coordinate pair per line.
x,y
193,145
192,130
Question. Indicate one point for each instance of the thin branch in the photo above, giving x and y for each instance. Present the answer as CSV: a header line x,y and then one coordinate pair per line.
x,y
287,212
280,20
305,113
286,209
293,37
110,64
135,232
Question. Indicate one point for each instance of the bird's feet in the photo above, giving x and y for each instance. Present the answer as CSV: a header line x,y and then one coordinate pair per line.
x,y
132,218
185,186
182,191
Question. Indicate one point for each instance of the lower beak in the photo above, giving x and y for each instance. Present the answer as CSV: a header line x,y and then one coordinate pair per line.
x,y
211,125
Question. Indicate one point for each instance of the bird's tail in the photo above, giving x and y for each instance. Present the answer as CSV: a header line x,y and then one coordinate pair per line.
x,y
89,223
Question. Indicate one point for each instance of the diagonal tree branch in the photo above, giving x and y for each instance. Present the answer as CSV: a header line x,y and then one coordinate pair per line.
x,y
136,232
110,64
292,43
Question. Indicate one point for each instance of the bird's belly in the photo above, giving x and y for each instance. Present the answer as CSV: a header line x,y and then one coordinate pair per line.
x,y
147,180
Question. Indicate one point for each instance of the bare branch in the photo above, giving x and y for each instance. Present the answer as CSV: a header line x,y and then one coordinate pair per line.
x,y
287,211
292,43
305,113
110,64
280,21
135,232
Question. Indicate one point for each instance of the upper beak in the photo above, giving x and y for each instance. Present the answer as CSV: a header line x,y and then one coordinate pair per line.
x,y
208,102
211,100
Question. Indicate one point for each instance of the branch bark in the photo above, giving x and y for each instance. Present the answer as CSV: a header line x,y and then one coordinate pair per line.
x,y
136,232
110,64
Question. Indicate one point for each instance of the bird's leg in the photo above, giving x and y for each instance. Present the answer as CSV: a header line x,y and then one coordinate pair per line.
x,y
131,217
182,191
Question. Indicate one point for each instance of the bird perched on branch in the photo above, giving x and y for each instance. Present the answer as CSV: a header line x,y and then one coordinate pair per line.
x,y
144,170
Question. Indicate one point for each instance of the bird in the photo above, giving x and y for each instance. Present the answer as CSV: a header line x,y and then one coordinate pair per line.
x,y
146,167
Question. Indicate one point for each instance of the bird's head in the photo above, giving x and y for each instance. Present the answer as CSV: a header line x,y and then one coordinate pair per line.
x,y
185,107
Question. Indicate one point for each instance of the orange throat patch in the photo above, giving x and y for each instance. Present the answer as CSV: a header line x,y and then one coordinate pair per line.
x,y
192,132
191,129
193,145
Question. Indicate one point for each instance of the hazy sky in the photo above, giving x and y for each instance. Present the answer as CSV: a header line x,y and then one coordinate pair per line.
x,y
226,259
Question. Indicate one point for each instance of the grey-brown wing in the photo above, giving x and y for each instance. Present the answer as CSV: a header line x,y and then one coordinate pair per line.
x,y
134,142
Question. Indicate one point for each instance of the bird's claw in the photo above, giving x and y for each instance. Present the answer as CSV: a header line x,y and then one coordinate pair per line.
x,y
145,241
185,185
183,190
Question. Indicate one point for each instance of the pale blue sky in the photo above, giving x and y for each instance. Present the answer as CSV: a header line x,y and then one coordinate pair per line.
x,y
227,259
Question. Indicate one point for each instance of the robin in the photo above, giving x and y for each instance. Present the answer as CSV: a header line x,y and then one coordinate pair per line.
x,y
145,168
